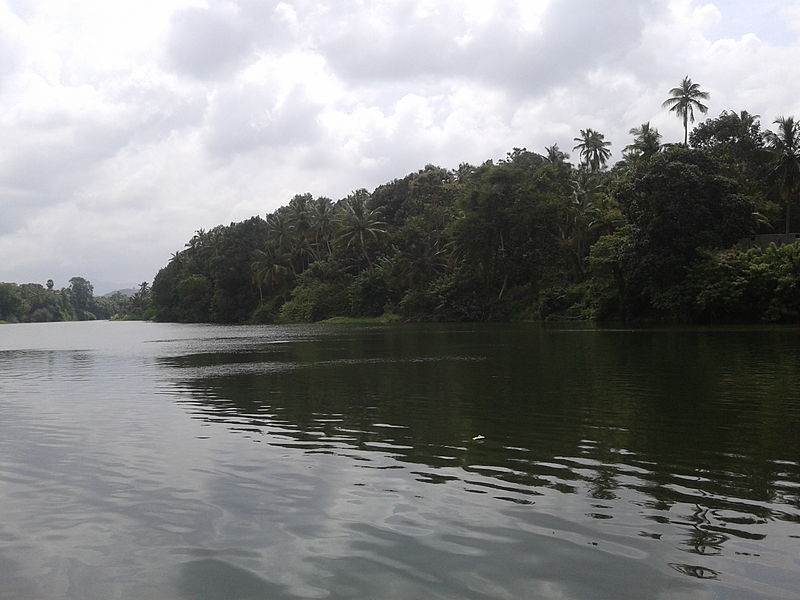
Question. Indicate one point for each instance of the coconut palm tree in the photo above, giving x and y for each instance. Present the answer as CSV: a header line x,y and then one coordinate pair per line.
x,y
593,148
683,100
646,141
358,223
279,228
586,188
322,225
785,145
267,271
555,156
298,214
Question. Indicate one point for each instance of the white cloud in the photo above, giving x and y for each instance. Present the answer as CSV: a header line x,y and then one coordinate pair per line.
x,y
129,125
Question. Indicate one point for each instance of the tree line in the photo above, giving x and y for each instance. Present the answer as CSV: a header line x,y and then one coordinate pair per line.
x,y
657,236
34,302
530,236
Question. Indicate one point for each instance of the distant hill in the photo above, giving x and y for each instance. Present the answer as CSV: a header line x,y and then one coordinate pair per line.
x,y
129,292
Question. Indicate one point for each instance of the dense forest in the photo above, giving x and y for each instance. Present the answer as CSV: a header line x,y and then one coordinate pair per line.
x,y
672,232
662,235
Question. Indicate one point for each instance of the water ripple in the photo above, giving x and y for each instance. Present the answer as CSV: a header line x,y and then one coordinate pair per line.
x,y
437,462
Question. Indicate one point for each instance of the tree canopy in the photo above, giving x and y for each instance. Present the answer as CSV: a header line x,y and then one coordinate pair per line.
x,y
529,236
667,233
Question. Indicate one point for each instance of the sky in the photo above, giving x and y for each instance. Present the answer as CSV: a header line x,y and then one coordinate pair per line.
x,y
127,125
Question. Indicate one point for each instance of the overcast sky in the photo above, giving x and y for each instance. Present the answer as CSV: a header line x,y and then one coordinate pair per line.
x,y
126,125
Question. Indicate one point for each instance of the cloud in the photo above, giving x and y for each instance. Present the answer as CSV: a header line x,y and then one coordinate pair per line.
x,y
252,116
207,42
129,125
213,43
390,43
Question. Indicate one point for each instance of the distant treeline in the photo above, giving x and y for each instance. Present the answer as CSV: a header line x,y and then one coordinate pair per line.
x,y
528,237
34,302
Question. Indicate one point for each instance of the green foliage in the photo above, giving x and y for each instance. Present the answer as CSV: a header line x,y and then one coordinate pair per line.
x,y
750,286
677,204
593,148
454,297
612,262
736,142
134,308
528,237
266,313
81,292
10,302
785,171
646,142
164,293
33,302
194,298
41,315
314,300
368,294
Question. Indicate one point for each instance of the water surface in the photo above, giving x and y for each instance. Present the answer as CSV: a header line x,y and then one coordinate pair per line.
x,y
142,460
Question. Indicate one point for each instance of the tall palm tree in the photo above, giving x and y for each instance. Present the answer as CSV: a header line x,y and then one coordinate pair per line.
x,y
197,239
586,188
322,225
267,270
593,148
683,100
358,223
298,214
785,145
646,141
279,228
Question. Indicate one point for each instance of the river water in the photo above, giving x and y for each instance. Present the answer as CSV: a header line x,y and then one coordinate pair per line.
x,y
159,461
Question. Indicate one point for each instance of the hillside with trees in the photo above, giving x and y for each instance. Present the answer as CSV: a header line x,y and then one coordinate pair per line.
x,y
673,232
531,236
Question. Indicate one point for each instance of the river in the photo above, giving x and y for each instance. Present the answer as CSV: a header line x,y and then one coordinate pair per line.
x,y
160,461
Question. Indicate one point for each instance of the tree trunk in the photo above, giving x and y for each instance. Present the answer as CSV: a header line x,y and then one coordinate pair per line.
x,y
503,289
788,214
686,129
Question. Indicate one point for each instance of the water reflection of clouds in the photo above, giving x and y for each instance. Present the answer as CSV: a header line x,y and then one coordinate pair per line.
x,y
596,458
348,469
369,498
383,534
355,485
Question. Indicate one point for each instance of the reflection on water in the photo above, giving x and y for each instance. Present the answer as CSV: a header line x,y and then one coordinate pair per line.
x,y
401,462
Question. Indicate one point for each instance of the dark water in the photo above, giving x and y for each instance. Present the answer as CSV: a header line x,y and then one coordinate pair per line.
x,y
160,461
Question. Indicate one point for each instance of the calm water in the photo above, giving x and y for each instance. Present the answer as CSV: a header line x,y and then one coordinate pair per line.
x,y
142,460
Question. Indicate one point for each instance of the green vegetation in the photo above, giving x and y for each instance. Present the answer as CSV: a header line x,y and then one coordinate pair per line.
x,y
33,302
528,237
